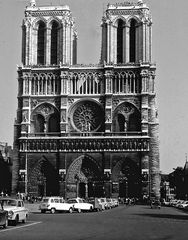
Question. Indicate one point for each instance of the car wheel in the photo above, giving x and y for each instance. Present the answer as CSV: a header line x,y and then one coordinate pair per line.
x,y
70,210
25,219
53,210
79,210
6,223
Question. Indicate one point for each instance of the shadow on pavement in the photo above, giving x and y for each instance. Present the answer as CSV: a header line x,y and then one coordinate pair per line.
x,y
167,216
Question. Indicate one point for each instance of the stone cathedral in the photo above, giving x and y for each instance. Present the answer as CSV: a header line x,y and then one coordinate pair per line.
x,y
87,130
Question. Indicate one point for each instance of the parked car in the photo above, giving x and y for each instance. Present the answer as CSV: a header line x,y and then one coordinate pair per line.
x,y
16,210
102,202
106,204
54,204
97,206
3,217
155,204
116,202
80,204
110,203
165,203
179,203
183,205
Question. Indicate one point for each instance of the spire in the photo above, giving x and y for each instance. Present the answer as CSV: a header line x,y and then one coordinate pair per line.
x,y
32,3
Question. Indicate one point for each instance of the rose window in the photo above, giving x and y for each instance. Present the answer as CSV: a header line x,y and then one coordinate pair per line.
x,y
87,117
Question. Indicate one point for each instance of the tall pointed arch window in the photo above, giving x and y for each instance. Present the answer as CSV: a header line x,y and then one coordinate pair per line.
x,y
120,41
41,43
54,36
24,45
132,40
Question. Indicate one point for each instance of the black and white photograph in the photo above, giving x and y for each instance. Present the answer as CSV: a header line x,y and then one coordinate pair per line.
x,y
93,120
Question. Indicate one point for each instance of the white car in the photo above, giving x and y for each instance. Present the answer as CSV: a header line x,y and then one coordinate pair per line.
x,y
54,204
16,210
80,204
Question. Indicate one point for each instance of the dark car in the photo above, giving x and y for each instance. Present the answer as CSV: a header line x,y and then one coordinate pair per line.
x,y
3,217
155,204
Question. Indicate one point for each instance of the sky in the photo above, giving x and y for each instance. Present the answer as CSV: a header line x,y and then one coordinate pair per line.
x,y
170,52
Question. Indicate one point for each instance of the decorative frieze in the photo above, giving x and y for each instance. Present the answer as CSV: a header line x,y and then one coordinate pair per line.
x,y
85,144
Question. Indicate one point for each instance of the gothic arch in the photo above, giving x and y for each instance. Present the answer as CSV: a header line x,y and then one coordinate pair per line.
x,y
43,179
36,22
127,174
115,21
46,110
130,115
128,20
75,169
53,19
117,169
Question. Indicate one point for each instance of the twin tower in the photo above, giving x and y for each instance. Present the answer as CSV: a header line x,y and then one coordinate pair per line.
x,y
50,38
87,130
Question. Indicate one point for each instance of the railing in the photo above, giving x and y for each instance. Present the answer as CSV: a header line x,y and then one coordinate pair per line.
x,y
85,144
81,134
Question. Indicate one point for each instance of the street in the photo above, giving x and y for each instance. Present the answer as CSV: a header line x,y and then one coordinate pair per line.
x,y
132,222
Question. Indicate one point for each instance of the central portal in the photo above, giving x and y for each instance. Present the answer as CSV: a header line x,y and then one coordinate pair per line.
x,y
87,175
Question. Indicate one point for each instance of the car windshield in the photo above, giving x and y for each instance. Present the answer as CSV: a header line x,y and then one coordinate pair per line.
x,y
9,202
45,200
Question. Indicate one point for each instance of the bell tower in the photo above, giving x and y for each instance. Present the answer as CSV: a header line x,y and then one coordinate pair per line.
x,y
126,33
49,36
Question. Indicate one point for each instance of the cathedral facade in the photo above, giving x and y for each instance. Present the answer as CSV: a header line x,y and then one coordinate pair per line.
x,y
87,130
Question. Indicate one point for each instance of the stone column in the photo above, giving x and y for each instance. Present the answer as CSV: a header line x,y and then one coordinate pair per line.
x,y
144,41
109,42
114,44
144,102
150,42
27,45
64,40
48,46
154,148
108,105
68,43
64,92
127,43
33,59
104,42
145,175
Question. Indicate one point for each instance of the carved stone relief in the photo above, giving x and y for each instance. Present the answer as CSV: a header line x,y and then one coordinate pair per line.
x,y
63,115
25,116
26,103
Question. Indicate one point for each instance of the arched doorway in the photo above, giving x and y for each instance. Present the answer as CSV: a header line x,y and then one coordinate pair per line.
x,y
84,178
43,179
